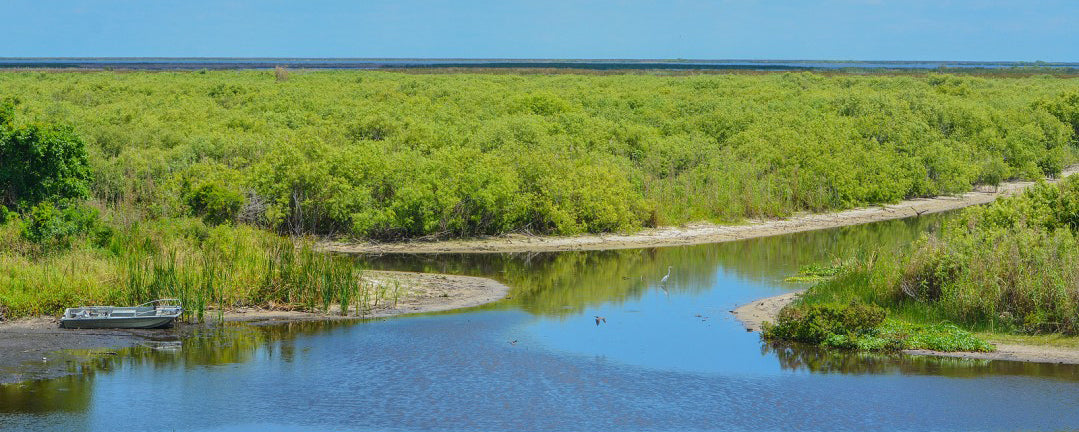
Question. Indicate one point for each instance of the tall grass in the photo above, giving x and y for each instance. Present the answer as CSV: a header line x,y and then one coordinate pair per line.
x,y
219,267
1011,266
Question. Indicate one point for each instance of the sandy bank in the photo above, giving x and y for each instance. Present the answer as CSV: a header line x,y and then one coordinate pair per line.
x,y
419,293
35,348
767,309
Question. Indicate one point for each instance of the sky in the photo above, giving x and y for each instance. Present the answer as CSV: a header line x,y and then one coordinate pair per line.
x,y
941,30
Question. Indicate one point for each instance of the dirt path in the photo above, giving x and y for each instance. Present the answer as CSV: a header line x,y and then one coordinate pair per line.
x,y
35,348
697,233
767,309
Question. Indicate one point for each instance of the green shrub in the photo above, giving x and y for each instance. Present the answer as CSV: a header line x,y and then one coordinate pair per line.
x,y
386,155
818,323
863,327
944,336
51,226
7,215
215,201
7,111
42,162
1064,107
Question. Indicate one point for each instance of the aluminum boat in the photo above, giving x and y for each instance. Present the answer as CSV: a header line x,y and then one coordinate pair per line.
x,y
155,314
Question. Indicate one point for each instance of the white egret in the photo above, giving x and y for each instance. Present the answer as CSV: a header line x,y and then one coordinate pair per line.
x,y
664,280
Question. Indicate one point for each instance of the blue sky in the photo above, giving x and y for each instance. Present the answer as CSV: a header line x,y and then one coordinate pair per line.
x,y
749,29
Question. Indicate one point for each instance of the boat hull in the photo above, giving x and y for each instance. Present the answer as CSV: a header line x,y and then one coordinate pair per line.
x,y
150,322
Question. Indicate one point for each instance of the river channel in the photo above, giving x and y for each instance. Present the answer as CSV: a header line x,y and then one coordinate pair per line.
x,y
666,358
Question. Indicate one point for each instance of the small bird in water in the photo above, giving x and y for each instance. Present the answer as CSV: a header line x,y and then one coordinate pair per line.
x,y
664,280
513,342
599,318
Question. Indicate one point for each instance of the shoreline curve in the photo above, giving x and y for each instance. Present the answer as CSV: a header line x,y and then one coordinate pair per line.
x,y
754,313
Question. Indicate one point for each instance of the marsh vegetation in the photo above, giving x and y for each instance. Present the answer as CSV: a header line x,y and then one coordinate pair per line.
x,y
1009,267
206,183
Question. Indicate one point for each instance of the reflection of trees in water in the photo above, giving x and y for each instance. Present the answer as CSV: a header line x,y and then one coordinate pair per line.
x,y
65,394
203,347
559,283
776,257
820,360
814,359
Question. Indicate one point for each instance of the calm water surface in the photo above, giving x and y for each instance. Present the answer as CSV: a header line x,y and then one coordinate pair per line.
x,y
663,361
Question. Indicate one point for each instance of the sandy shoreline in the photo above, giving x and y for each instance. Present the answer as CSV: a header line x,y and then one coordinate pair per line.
x,y
767,309
36,348
696,233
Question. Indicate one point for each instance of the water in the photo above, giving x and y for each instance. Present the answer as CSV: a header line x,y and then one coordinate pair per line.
x,y
150,63
674,361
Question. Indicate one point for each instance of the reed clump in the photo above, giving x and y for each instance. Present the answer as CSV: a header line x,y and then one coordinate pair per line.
x,y
206,267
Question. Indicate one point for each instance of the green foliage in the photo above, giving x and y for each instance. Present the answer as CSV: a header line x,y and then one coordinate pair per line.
x,y
895,335
42,162
7,111
204,266
1064,107
1010,266
7,215
54,227
857,326
817,272
818,323
387,155
214,195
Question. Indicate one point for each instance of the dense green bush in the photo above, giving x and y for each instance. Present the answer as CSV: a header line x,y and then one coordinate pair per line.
x,y
388,155
818,323
1065,107
864,327
39,163
54,227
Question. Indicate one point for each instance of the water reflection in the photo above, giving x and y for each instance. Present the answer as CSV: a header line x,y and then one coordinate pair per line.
x,y
564,283
797,357
230,343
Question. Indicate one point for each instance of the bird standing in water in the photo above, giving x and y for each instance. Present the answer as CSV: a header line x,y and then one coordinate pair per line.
x,y
664,280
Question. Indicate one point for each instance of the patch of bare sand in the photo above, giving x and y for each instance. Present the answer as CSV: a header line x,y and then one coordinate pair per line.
x,y
36,348
753,315
696,233
417,293
767,309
